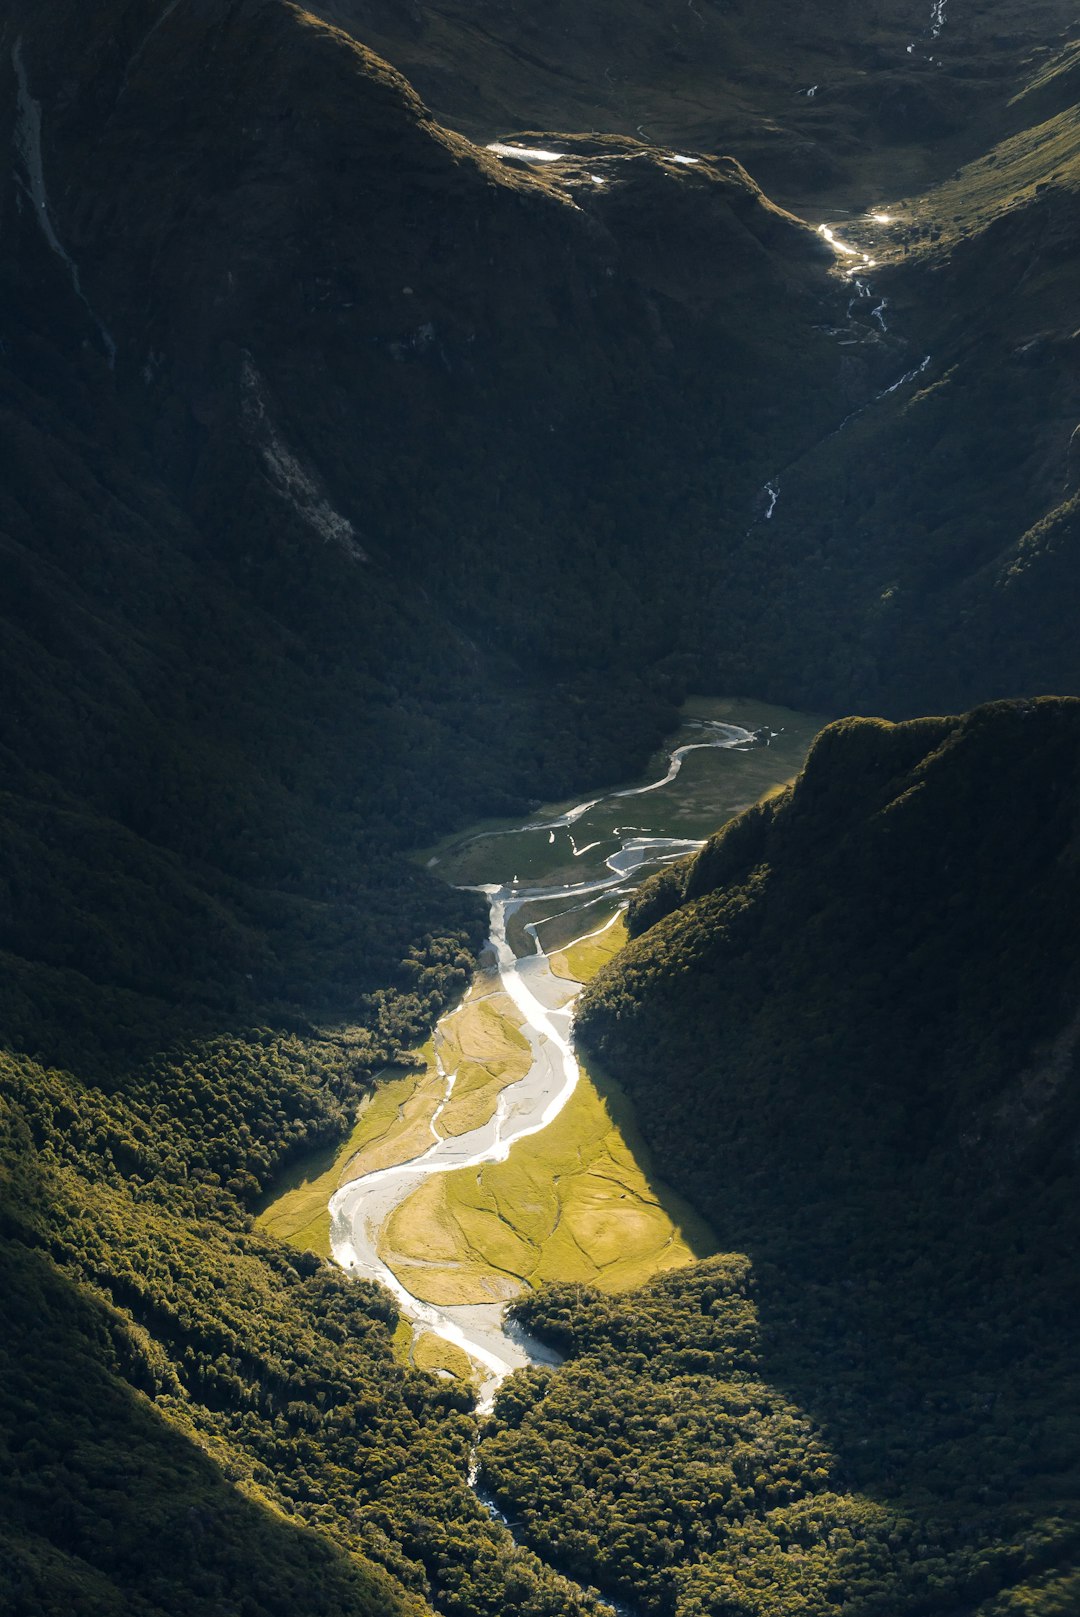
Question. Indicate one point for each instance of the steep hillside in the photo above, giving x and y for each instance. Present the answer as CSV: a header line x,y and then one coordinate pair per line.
x,y
903,87
358,481
428,356
928,554
249,656
267,517
262,321
850,1026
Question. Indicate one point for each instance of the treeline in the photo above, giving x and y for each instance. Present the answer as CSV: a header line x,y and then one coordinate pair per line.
x,y
195,1419
674,1462
848,1025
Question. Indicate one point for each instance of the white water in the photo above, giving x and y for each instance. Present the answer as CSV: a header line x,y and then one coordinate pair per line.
x,y
360,1209
863,292
28,146
908,376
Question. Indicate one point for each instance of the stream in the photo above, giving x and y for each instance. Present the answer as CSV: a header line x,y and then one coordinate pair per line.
x,y
559,877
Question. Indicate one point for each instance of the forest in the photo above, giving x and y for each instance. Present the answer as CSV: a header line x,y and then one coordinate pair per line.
x,y
848,1025
357,485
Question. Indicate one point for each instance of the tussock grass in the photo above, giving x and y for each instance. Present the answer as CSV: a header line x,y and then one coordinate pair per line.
x,y
300,1214
433,1353
581,961
577,1202
482,1043
486,1048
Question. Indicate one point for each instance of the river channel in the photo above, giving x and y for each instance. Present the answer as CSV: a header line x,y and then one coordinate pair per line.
x,y
561,876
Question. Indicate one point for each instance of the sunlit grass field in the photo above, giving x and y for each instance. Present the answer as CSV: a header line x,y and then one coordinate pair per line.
x,y
576,1202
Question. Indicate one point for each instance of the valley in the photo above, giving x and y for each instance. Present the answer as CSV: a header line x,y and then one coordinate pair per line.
x,y
564,1191
418,419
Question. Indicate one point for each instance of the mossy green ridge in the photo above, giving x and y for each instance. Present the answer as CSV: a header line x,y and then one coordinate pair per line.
x,y
111,1507
849,1025
670,1460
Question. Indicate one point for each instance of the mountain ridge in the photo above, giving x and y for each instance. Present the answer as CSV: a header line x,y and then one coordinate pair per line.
x,y
358,482
849,1025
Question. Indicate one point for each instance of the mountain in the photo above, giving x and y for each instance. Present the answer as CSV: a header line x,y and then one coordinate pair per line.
x,y
269,516
849,1026
359,481
934,540
902,87
284,366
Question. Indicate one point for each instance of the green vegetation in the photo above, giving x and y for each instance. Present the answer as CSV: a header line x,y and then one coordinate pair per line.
x,y
577,1201
299,1210
395,1123
173,1377
730,82
582,960
431,1352
483,1046
116,1502
669,1461
288,595
480,1044
849,1028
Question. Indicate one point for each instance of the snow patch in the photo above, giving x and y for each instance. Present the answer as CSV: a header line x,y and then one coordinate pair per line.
x,y
525,154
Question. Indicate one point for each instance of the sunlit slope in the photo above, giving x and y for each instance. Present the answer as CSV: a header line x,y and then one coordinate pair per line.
x,y
113,1482
172,1378
849,1025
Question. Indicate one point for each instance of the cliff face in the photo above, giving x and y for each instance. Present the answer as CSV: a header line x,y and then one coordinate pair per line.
x,y
941,523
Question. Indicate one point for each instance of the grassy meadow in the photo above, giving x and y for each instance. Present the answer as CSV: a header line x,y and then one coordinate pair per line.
x,y
481,1043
